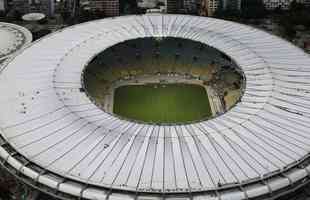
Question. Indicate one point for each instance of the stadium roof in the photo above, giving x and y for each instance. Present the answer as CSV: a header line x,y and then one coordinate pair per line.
x,y
54,135
12,38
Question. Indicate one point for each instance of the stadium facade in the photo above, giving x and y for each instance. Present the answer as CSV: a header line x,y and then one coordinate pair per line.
x,y
54,138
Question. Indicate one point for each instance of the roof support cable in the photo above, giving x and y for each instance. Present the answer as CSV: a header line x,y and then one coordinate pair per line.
x,y
249,145
197,141
144,160
221,175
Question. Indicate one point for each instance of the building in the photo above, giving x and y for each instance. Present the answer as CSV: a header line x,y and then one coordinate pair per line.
x,y
231,4
208,7
173,6
283,4
273,4
27,6
190,6
3,5
71,6
307,2
182,6
110,8
47,7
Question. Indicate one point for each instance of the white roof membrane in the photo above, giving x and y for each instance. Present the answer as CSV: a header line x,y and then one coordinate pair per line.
x,y
12,39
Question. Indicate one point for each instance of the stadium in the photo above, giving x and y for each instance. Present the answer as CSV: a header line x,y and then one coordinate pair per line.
x,y
156,107
13,38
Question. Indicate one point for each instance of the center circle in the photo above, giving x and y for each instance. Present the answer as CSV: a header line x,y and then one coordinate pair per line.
x,y
163,80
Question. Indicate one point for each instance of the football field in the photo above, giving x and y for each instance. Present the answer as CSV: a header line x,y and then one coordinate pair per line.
x,y
162,103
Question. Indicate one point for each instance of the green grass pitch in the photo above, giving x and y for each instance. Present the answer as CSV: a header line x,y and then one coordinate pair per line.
x,y
162,103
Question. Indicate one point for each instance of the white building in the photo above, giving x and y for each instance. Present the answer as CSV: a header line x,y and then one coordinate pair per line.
x,y
208,7
3,5
283,4
273,4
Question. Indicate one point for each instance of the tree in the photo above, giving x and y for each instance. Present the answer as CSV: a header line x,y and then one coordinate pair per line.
x,y
253,9
290,32
297,15
14,15
228,13
130,6
40,33
296,7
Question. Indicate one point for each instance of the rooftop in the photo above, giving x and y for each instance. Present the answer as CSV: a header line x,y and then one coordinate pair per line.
x,y
12,38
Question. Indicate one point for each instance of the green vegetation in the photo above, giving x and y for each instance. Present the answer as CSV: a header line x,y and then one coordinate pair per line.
x,y
250,9
162,103
298,14
253,9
